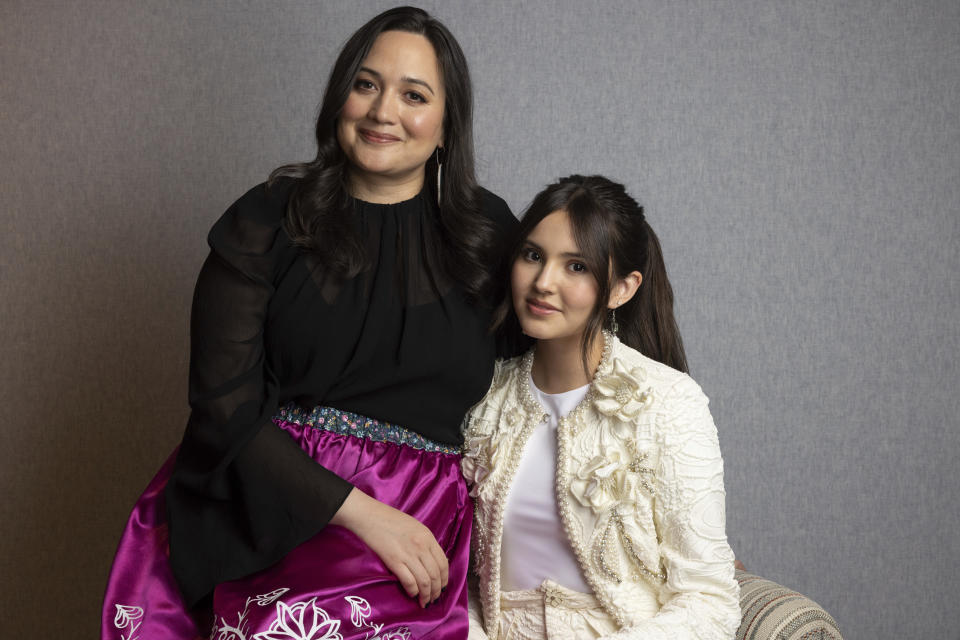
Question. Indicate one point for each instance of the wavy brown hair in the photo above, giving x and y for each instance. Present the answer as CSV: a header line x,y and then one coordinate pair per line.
x,y
318,215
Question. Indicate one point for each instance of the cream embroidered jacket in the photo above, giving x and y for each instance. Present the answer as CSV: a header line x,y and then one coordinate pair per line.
x,y
639,490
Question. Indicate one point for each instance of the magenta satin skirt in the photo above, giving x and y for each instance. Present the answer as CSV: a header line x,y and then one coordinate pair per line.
x,y
331,587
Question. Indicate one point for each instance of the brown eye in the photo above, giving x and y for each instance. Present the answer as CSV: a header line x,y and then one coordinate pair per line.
x,y
530,255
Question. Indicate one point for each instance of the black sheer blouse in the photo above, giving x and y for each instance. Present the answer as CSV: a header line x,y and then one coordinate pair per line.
x,y
400,343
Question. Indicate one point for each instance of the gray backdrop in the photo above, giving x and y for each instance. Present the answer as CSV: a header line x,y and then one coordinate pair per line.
x,y
800,161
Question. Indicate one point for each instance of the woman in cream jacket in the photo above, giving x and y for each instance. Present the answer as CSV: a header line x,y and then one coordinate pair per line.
x,y
593,459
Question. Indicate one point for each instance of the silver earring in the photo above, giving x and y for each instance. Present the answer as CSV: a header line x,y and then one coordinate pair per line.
x,y
439,171
613,322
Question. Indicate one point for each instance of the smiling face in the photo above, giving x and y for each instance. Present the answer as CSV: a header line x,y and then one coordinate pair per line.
x,y
392,120
553,293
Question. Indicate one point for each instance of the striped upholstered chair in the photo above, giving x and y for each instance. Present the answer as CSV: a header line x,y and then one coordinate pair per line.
x,y
772,612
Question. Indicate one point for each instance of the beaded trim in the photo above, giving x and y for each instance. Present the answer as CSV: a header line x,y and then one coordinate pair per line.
x,y
531,404
615,525
536,414
534,418
353,424
567,428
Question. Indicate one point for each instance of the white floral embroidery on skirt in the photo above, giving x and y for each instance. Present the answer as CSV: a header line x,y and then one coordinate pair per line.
x,y
128,616
304,620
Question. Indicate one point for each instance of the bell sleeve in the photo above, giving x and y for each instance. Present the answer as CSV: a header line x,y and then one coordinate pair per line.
x,y
242,493
700,598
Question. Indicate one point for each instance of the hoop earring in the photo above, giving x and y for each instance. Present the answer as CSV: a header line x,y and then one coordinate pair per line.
x,y
439,172
613,322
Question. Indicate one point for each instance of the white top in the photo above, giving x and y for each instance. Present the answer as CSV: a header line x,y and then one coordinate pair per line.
x,y
535,546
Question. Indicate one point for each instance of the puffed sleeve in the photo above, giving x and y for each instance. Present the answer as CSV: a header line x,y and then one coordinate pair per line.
x,y
700,599
510,341
242,493
497,209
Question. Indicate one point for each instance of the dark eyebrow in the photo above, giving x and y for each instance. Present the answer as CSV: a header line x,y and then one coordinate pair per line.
x,y
404,79
420,82
568,254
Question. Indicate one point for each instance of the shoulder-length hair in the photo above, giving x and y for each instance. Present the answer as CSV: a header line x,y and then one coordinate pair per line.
x,y
318,214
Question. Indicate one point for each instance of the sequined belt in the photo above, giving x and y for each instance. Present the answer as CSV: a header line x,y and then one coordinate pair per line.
x,y
353,424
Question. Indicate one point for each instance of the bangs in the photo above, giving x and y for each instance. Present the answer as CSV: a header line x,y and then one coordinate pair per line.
x,y
588,221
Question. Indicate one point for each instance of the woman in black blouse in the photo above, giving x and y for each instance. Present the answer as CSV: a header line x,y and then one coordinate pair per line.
x,y
338,337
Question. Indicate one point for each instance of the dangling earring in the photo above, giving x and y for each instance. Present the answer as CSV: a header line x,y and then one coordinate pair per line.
x,y
439,171
613,322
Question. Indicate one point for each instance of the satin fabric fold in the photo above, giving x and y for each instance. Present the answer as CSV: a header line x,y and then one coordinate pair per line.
x,y
142,599
333,585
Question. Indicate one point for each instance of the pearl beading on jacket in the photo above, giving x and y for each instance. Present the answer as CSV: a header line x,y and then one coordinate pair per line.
x,y
644,424
569,424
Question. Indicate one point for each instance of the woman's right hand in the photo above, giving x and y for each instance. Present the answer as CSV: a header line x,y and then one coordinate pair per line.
x,y
403,543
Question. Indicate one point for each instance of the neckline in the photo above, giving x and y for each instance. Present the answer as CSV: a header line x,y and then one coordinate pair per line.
x,y
561,394
533,405
419,197
558,405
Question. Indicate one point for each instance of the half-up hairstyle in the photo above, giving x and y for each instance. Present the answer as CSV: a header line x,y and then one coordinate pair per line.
x,y
614,238
318,215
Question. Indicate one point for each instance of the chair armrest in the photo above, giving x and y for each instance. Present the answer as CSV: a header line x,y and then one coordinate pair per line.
x,y
770,611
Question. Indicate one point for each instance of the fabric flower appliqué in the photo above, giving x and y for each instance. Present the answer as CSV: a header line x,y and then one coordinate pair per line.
x,y
553,597
623,393
608,481
480,455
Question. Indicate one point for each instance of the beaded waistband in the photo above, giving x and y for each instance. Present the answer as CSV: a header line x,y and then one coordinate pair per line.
x,y
354,424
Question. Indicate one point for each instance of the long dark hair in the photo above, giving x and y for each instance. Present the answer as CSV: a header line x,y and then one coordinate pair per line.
x,y
318,215
614,237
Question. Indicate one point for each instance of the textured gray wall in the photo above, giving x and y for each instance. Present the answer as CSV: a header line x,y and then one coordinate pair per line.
x,y
801,162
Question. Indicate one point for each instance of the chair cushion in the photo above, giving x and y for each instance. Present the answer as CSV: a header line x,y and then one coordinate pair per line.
x,y
770,611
